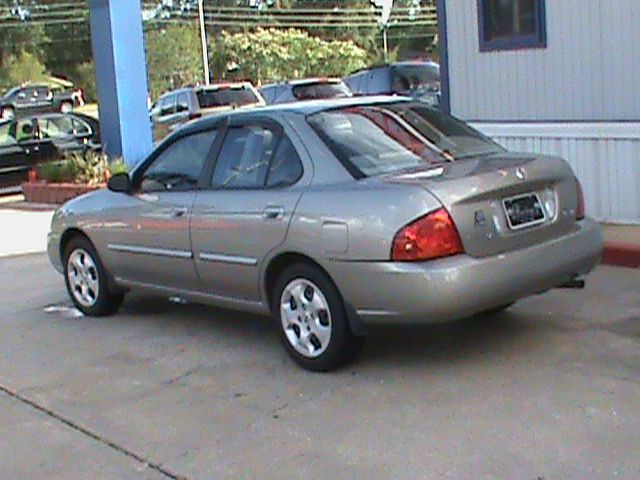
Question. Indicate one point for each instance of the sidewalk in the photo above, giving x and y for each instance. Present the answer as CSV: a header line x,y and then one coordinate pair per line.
x,y
23,230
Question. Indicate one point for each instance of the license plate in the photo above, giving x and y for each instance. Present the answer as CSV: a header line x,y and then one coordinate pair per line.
x,y
524,211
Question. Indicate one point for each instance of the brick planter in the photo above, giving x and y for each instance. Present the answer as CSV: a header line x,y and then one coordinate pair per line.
x,y
54,193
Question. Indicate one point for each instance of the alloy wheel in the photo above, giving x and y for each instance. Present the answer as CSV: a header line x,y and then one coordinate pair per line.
x,y
82,274
305,317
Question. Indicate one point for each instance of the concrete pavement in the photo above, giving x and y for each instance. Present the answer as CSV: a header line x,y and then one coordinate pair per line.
x,y
23,230
550,389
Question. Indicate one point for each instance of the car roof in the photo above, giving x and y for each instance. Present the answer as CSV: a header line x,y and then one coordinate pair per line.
x,y
212,87
303,107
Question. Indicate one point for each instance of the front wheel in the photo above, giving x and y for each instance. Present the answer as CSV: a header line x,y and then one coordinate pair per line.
x,y
311,319
87,280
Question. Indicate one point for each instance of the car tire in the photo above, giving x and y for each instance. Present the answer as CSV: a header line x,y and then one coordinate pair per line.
x,y
311,319
8,113
66,107
87,280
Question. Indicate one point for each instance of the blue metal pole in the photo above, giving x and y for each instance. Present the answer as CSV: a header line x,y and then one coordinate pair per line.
x,y
121,76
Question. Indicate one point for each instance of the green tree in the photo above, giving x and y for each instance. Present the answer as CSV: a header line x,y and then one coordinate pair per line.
x,y
20,68
273,54
174,57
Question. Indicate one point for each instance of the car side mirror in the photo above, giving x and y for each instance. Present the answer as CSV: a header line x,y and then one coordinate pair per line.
x,y
120,182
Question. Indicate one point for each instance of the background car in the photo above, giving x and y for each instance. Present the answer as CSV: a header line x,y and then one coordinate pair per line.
x,y
416,79
38,98
330,215
304,89
27,141
177,107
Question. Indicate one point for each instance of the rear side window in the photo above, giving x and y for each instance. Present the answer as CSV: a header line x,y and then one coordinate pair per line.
x,y
168,105
178,166
321,90
226,97
411,78
56,127
183,102
286,167
244,158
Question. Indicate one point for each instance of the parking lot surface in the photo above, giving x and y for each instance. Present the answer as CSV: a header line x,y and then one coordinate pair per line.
x,y
549,389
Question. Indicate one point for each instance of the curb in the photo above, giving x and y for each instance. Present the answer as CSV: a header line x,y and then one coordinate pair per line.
x,y
621,254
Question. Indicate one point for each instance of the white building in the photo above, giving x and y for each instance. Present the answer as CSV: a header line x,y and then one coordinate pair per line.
x,y
553,76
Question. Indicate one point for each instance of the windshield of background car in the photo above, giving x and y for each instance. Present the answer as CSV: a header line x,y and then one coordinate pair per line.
x,y
226,96
411,78
58,127
311,91
7,134
11,92
386,138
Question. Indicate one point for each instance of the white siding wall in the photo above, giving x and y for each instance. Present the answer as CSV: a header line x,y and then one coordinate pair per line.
x,y
604,156
590,69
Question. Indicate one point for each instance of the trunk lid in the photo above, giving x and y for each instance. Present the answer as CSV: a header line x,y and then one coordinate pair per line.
x,y
496,201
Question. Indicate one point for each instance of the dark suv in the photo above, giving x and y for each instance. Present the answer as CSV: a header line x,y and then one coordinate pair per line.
x,y
33,98
416,79
177,107
305,89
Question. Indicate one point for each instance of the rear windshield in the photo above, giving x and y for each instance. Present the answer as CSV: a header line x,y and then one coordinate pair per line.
x,y
226,96
411,78
310,91
386,138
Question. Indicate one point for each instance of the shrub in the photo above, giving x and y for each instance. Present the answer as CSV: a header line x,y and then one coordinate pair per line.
x,y
55,172
91,168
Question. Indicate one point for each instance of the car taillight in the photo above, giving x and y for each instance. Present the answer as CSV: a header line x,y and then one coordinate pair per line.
x,y
194,115
432,236
580,207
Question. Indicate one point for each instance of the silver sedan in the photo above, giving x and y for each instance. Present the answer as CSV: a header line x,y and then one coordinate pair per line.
x,y
330,215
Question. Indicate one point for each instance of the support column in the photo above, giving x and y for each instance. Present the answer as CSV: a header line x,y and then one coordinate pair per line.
x,y
121,76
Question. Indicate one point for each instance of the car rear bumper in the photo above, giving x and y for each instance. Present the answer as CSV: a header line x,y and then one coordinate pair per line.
x,y
461,286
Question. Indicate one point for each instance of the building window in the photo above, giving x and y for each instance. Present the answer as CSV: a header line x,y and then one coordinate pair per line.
x,y
511,24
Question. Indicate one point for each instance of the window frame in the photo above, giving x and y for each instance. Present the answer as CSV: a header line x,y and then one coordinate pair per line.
x,y
137,175
264,122
519,42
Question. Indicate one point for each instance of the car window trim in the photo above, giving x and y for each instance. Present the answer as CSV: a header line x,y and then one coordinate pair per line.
x,y
138,172
267,122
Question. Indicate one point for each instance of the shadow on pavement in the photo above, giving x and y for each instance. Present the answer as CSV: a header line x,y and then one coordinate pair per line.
x,y
454,342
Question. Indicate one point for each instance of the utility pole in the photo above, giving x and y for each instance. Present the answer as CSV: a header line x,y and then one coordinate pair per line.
x,y
386,6
205,48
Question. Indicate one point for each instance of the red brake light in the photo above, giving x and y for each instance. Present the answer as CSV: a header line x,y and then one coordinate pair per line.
x,y
432,236
194,115
580,207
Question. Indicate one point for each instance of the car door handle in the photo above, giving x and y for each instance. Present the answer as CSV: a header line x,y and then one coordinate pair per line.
x,y
180,211
273,213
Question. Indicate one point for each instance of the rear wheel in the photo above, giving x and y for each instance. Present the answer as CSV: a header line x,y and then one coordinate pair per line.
x,y
311,319
8,113
87,279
